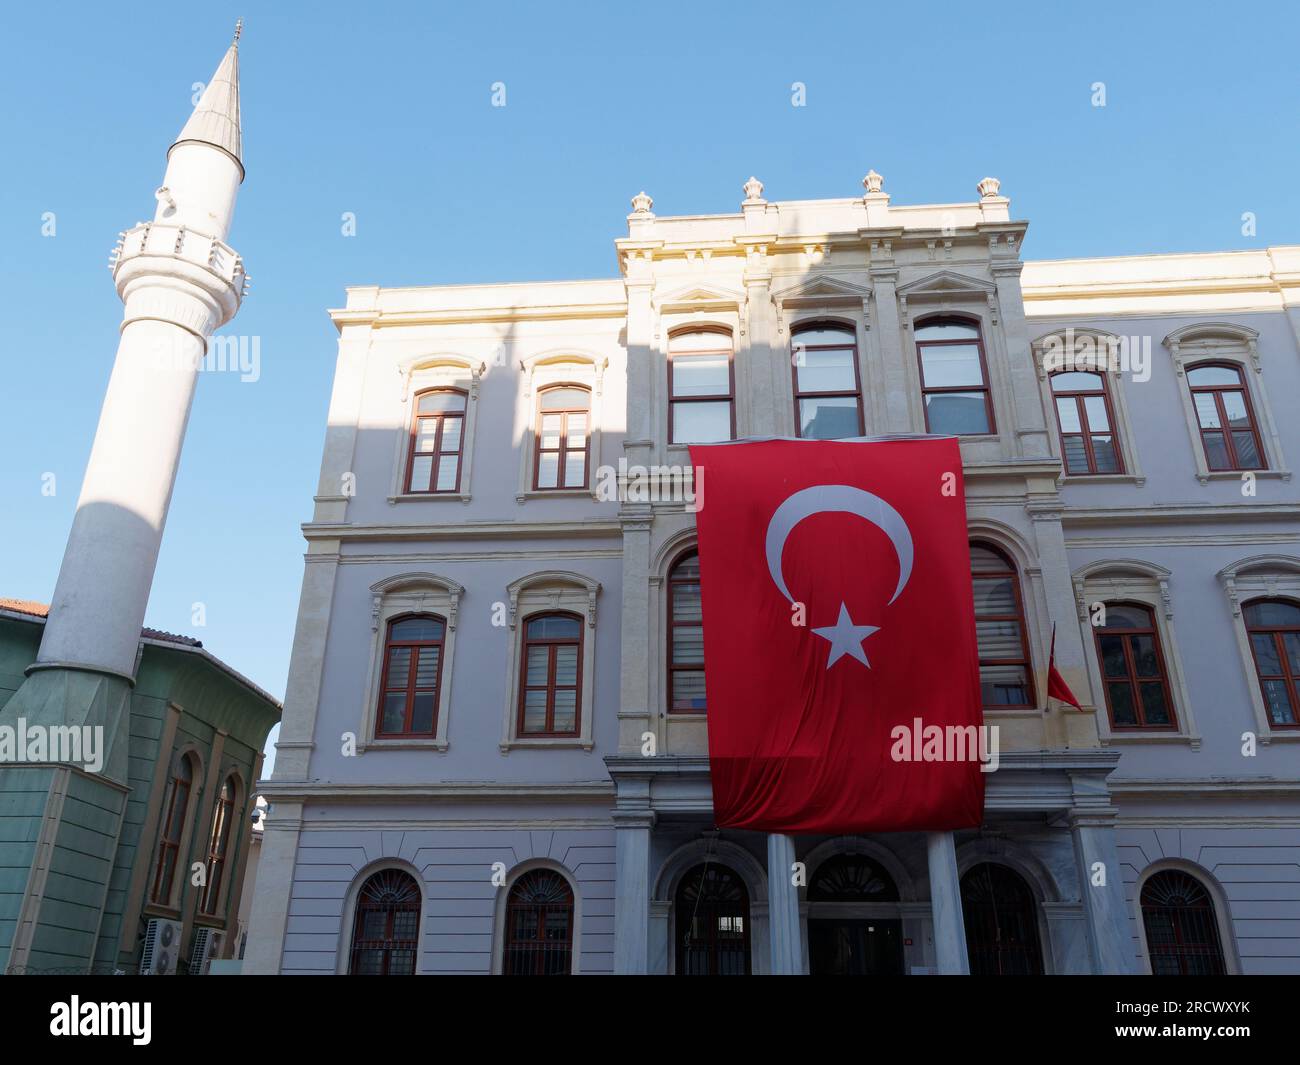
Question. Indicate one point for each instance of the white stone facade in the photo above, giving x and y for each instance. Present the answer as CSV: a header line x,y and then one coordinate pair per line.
x,y
476,793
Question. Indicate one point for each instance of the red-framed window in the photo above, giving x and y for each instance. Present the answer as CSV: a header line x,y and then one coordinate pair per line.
x,y
711,910
223,815
1274,629
563,451
386,933
550,695
827,389
1181,926
539,926
1133,669
176,804
437,441
701,387
1084,416
1225,417
685,637
412,675
954,377
1005,679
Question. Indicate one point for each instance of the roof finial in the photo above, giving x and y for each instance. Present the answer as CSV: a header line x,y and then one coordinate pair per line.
x,y
239,28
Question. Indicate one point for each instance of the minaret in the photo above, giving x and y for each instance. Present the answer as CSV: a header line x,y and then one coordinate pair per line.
x,y
179,282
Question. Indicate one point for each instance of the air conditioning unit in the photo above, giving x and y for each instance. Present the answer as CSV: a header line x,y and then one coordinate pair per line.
x,y
207,945
162,945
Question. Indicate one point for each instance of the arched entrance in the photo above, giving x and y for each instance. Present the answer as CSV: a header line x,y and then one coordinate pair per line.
x,y
712,912
1001,916
854,928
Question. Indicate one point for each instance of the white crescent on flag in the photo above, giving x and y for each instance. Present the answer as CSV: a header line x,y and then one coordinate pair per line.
x,y
845,638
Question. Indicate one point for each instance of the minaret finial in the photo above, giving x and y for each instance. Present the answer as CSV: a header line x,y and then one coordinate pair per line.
x,y
239,28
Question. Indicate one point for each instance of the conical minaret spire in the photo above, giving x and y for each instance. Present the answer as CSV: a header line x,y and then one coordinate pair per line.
x,y
215,120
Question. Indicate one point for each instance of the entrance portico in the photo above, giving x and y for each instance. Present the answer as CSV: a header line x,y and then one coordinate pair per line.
x,y
693,899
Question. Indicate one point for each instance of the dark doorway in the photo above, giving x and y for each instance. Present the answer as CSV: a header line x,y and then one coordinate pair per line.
x,y
712,912
855,947
1001,922
853,927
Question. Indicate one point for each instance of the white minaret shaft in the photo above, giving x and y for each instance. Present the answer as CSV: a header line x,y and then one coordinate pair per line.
x,y
180,282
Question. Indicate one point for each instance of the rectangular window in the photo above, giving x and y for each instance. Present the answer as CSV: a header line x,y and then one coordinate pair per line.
x,y
827,397
436,442
701,388
551,686
1088,443
1133,669
1225,419
563,438
954,384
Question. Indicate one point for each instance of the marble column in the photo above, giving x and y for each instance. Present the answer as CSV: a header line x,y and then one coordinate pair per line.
x,y
1102,891
632,892
945,901
783,907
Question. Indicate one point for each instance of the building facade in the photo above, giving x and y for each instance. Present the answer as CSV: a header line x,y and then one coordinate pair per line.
x,y
197,733
494,749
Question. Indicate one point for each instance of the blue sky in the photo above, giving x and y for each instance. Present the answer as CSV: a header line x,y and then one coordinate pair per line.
x,y
385,110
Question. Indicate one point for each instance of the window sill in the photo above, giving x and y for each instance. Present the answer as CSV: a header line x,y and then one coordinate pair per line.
x,y
154,909
399,743
1137,480
1121,738
429,497
553,493
1013,711
1236,475
547,742
1279,734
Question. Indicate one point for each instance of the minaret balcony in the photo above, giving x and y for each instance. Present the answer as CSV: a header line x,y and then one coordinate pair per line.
x,y
157,248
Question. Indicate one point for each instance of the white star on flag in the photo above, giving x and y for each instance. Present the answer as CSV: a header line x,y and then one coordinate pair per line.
x,y
846,638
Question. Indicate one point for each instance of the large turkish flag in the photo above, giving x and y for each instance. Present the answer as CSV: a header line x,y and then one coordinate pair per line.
x,y
836,587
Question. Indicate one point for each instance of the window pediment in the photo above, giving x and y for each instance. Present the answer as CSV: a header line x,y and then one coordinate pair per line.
x,y
944,289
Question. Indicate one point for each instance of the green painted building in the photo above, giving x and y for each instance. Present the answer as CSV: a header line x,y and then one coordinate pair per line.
x,y
102,874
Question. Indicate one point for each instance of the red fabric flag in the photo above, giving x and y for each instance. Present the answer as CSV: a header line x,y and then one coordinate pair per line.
x,y
841,668
1056,686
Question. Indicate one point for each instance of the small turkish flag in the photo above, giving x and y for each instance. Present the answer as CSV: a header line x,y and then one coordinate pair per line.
x,y
1056,686
841,667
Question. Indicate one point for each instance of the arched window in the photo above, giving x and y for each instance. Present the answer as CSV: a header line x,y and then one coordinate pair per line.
x,y
175,809
408,697
852,878
712,913
551,692
701,387
1084,417
1133,669
539,926
437,441
685,637
563,438
1181,926
954,377
1001,919
1225,418
1000,629
387,929
223,816
1274,628
827,393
